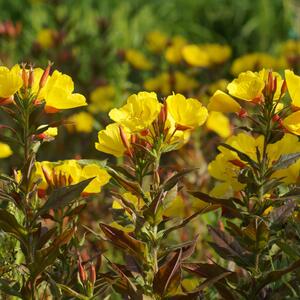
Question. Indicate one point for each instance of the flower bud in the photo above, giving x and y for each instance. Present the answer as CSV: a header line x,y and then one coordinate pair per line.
x,y
283,88
125,140
47,176
31,77
238,163
45,75
24,76
82,273
242,113
92,274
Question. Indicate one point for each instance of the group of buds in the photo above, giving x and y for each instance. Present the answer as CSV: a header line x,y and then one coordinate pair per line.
x,y
87,279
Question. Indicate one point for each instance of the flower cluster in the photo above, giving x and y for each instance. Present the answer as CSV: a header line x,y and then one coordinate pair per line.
x,y
144,120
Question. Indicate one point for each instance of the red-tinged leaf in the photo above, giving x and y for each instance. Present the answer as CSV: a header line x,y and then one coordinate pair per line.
x,y
276,275
165,274
174,179
228,204
227,247
204,210
124,241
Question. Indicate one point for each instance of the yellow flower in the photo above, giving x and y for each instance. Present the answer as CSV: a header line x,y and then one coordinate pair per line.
x,y
293,85
173,53
163,83
219,123
102,99
217,53
101,178
227,165
45,38
69,172
292,122
253,62
81,122
138,113
287,145
156,41
248,86
138,60
110,140
5,150
59,92
195,56
10,81
186,112
222,102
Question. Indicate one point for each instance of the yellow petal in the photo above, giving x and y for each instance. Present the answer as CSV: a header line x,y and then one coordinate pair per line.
x,y
222,102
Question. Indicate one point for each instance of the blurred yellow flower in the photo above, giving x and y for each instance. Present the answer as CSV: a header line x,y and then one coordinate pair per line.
x,y
138,113
59,92
45,38
188,113
110,140
102,99
10,81
219,123
138,60
220,84
5,150
156,41
205,55
163,83
222,102
253,62
195,56
81,122
173,53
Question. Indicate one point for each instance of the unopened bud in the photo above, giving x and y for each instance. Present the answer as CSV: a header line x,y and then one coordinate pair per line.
x,y
274,85
238,163
31,77
145,132
92,274
24,76
258,99
283,87
82,273
125,140
183,127
242,113
45,75
47,176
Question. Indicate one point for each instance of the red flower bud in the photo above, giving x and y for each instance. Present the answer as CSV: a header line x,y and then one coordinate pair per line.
x,y
82,273
45,75
238,163
242,113
93,274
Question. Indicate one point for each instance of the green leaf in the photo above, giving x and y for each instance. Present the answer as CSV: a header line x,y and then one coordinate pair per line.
x,y
8,289
62,197
67,290
9,224
174,179
276,275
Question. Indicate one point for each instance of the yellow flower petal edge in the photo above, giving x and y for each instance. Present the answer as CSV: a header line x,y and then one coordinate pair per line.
x,y
10,81
293,85
292,122
222,102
